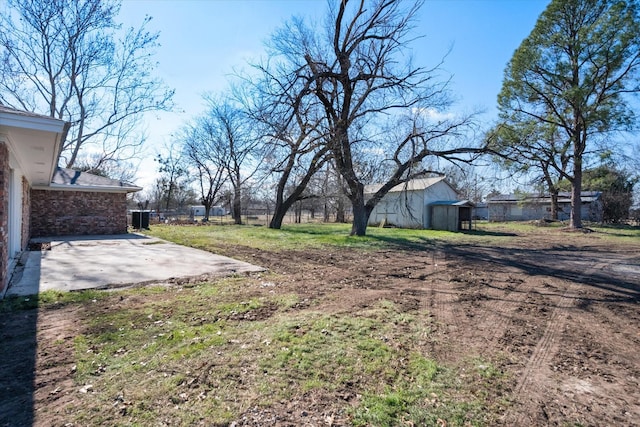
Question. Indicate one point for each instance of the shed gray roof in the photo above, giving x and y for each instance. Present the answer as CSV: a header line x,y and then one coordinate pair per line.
x,y
69,179
411,185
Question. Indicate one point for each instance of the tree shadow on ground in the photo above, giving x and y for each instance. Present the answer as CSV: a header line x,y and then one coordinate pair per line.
x,y
487,233
403,243
426,243
601,269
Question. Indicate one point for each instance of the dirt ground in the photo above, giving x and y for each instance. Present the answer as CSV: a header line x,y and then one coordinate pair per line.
x,y
560,311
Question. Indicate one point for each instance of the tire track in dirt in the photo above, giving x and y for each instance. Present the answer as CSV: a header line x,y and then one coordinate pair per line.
x,y
442,297
444,305
546,347
497,311
449,297
490,306
544,350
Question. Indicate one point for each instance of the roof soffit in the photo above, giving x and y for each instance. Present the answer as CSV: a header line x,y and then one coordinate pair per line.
x,y
35,143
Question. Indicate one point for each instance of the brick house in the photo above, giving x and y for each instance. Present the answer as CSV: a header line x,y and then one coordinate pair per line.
x,y
38,199
79,203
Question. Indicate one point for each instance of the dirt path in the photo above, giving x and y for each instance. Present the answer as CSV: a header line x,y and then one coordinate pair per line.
x,y
560,315
561,312
561,320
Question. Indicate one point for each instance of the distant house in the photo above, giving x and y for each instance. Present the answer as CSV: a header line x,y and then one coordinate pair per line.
x,y
39,199
481,211
527,207
420,203
198,210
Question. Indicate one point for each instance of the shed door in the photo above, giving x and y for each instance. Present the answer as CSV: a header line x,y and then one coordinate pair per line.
x,y
445,218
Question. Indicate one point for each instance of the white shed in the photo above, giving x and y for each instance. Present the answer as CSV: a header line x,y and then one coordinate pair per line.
x,y
408,205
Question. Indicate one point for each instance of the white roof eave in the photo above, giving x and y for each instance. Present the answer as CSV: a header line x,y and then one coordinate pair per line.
x,y
94,188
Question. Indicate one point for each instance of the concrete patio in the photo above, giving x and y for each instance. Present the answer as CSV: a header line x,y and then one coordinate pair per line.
x,y
89,262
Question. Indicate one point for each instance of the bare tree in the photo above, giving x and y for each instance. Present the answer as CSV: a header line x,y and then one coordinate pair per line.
x,y
69,59
537,151
204,153
172,178
121,170
468,181
293,147
354,70
226,124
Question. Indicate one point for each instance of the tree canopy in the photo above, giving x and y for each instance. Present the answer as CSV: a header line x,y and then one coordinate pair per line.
x,y
574,73
71,60
616,187
374,106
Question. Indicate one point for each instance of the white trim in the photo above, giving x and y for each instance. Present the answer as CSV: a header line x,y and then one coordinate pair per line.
x,y
87,188
14,161
41,123
50,163
27,129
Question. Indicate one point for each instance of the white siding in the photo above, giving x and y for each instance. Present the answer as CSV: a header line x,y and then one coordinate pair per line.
x,y
402,209
410,209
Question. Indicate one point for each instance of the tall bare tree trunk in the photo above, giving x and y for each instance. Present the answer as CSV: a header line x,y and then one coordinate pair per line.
x,y
360,216
340,215
237,205
575,220
554,204
207,208
298,212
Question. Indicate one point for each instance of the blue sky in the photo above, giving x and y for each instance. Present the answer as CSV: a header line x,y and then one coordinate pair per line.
x,y
203,41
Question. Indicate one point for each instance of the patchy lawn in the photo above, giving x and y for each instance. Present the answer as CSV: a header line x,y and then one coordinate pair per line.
x,y
507,325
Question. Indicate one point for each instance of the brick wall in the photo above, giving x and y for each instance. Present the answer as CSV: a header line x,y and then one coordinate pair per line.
x,y
4,215
63,213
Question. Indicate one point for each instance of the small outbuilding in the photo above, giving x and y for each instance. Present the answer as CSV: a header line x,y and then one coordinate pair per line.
x,y
416,203
451,215
199,210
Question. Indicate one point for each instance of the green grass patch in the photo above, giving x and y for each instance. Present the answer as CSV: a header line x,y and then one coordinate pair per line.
x,y
216,238
301,236
293,237
180,355
49,299
619,232
330,352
